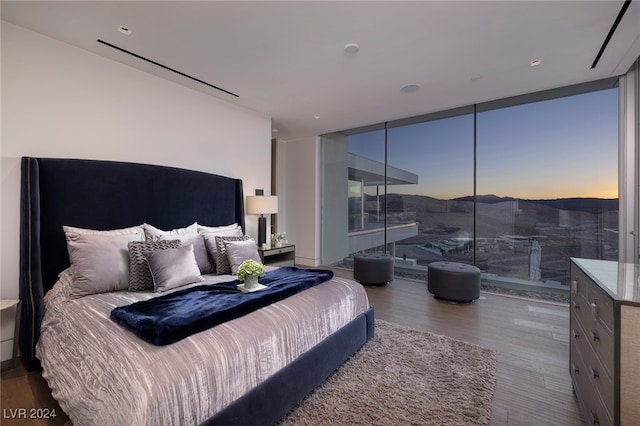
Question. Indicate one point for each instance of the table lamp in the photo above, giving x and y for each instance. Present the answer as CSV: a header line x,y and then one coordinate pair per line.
x,y
262,204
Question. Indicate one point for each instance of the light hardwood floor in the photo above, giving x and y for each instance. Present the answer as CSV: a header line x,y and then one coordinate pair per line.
x,y
530,337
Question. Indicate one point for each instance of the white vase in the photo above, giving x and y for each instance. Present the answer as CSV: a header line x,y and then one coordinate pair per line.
x,y
250,282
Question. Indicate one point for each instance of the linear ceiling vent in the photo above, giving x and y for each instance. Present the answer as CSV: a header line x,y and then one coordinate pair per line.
x,y
166,67
625,6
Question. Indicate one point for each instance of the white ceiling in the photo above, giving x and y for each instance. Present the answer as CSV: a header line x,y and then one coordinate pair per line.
x,y
287,59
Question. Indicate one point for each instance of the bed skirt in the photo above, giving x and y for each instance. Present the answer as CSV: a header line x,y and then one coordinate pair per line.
x,y
270,401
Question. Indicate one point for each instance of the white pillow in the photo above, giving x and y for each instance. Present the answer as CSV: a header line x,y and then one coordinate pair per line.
x,y
216,229
155,234
122,231
99,261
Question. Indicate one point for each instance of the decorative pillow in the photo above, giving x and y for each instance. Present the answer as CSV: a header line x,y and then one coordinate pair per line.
x,y
140,278
199,250
155,234
239,251
174,267
84,231
99,262
217,229
210,240
222,263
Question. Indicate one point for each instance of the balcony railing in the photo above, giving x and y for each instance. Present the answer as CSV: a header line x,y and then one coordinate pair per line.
x,y
368,221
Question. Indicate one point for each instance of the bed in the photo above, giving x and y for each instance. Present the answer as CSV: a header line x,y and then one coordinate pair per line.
x,y
250,370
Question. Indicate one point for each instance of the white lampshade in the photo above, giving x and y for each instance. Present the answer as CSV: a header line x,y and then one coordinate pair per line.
x,y
262,204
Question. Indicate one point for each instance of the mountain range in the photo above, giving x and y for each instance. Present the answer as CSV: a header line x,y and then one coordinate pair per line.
x,y
589,205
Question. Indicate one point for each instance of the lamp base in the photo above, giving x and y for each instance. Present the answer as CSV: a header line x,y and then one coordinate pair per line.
x,y
262,230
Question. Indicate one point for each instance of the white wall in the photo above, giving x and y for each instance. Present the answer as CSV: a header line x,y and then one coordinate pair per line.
x,y
335,197
61,101
301,194
280,182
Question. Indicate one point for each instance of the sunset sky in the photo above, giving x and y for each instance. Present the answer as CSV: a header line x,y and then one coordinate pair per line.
x,y
566,147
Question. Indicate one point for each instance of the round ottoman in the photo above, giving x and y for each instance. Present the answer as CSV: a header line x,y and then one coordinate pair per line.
x,y
373,269
454,281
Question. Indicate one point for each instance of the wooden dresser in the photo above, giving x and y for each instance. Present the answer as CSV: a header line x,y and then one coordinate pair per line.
x,y
605,340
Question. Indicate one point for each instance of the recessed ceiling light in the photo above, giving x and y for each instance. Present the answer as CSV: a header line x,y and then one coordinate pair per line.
x,y
351,47
316,116
410,88
124,30
275,130
535,63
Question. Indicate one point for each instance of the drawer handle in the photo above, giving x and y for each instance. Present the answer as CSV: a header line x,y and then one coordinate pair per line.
x,y
594,373
575,368
594,336
575,333
594,418
576,305
594,309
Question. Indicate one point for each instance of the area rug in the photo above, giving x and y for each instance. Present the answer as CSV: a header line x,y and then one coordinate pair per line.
x,y
405,377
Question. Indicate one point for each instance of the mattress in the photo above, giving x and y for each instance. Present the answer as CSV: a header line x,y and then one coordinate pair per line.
x,y
102,374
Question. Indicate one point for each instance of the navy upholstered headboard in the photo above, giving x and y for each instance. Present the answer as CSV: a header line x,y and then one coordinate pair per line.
x,y
104,195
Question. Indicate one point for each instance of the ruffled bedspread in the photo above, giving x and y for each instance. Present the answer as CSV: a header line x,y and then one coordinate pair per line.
x,y
102,374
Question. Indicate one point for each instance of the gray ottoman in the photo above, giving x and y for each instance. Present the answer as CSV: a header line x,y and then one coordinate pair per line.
x,y
373,269
454,281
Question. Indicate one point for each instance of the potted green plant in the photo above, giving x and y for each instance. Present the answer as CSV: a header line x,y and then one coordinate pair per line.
x,y
249,271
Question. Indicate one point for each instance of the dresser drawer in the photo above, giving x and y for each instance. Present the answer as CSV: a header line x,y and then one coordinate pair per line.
x,y
601,306
600,337
280,250
599,377
584,291
580,308
593,408
594,309
593,334
579,283
603,344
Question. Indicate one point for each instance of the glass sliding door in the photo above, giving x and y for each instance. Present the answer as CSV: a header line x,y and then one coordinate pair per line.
x,y
547,187
430,193
366,174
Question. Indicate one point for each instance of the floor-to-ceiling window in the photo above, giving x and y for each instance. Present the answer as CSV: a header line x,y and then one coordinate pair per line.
x,y
516,188
366,168
355,164
547,186
440,153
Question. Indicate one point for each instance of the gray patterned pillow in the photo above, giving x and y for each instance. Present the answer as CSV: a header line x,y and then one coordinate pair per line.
x,y
210,234
140,278
222,263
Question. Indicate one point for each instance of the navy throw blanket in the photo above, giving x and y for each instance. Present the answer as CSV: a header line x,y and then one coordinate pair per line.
x,y
174,316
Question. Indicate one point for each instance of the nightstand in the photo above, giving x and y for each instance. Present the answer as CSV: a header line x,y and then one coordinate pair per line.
x,y
8,304
278,256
